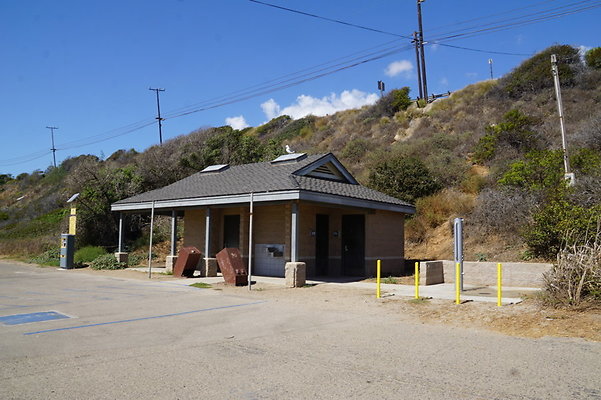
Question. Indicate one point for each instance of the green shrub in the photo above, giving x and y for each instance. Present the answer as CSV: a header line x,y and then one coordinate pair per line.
x,y
593,58
561,224
107,261
50,257
88,254
394,101
355,150
514,130
534,74
4,216
135,259
540,170
406,178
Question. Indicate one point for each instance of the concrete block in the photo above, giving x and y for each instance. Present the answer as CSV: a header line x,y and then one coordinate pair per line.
x,y
170,263
122,257
208,267
296,274
431,273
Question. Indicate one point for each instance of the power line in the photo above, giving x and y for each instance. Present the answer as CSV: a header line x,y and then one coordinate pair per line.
x,y
337,21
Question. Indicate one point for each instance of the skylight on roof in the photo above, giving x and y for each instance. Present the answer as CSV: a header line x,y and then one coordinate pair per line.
x,y
289,158
216,168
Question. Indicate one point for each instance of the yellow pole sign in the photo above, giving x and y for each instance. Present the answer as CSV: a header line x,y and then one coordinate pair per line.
x,y
378,269
72,221
417,280
457,285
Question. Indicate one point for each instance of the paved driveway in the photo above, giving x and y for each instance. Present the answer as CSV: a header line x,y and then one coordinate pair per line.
x,y
133,339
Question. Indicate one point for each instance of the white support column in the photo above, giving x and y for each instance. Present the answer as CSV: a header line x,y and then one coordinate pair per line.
x,y
294,234
172,258
173,233
120,244
207,232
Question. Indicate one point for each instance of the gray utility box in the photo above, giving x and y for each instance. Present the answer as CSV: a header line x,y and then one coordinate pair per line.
x,y
67,250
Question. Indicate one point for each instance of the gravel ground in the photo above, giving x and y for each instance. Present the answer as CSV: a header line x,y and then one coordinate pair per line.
x,y
322,342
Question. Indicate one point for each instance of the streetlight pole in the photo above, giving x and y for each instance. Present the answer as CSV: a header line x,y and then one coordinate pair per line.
x,y
158,118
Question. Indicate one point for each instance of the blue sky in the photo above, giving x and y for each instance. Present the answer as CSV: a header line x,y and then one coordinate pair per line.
x,y
86,66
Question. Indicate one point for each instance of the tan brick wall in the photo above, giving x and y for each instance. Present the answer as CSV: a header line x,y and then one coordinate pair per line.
x,y
384,233
384,240
194,229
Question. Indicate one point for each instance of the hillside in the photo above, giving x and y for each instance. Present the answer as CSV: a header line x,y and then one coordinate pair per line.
x,y
489,153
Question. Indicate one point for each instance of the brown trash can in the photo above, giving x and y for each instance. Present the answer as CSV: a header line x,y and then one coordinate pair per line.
x,y
187,261
232,268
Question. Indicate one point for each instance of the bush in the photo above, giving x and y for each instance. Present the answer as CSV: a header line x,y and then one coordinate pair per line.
x,y
593,58
559,224
504,212
576,278
107,261
534,74
405,178
88,254
50,257
541,170
514,131
394,101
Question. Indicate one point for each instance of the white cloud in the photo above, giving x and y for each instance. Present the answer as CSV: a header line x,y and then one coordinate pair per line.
x,y
444,82
308,105
434,46
399,67
237,122
271,109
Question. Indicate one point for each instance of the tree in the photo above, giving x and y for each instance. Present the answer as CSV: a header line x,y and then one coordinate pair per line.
x,y
593,58
405,178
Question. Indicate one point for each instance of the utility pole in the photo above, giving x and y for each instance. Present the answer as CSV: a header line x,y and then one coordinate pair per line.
x,y
158,118
490,65
566,161
421,48
418,66
53,149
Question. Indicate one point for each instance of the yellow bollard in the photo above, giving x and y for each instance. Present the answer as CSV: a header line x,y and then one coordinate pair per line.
x,y
417,280
378,281
457,288
499,284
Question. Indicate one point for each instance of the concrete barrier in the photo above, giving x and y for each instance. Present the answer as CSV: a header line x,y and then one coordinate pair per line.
x,y
485,273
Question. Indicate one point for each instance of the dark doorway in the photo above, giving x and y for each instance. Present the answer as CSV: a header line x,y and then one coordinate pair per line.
x,y
231,231
322,243
353,245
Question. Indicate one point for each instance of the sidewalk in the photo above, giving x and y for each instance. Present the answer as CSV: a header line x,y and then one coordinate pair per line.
x,y
444,291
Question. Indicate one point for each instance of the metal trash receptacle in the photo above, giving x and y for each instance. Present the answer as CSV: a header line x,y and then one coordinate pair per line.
x,y
187,261
232,268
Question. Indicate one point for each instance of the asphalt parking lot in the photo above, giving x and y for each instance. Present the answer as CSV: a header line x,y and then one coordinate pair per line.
x,y
117,338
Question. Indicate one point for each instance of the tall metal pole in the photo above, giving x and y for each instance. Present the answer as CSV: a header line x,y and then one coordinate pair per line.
x,y
490,65
421,47
418,65
150,241
250,242
158,118
566,160
53,149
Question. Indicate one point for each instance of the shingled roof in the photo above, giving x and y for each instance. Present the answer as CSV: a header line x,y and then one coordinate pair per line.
x,y
320,178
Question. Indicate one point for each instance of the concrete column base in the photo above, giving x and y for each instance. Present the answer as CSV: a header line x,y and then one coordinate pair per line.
x,y
208,267
122,257
296,274
170,263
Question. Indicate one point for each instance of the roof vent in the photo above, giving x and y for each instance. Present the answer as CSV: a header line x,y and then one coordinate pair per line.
x,y
216,168
293,157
